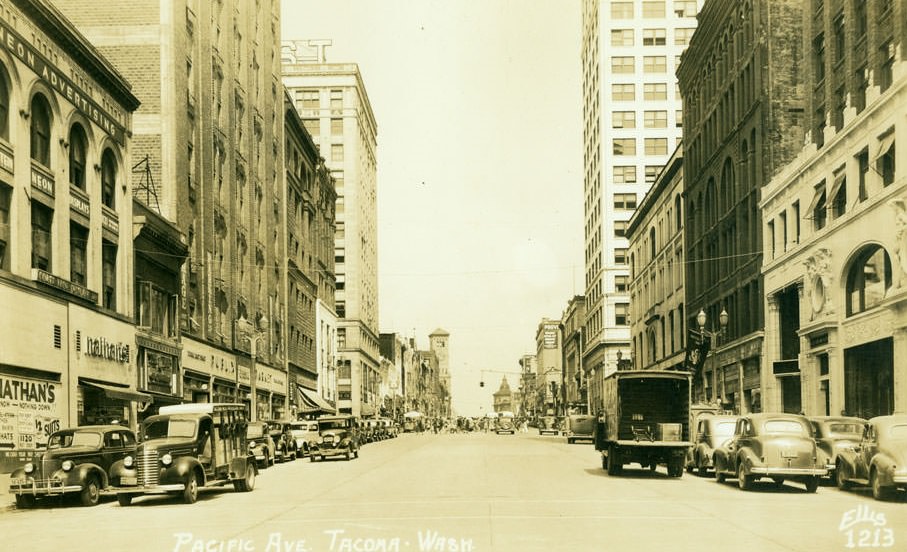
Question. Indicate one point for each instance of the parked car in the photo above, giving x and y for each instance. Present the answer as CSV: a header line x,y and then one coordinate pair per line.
x,y
504,425
579,427
261,446
77,460
548,425
304,433
778,446
711,432
284,444
835,433
879,460
337,436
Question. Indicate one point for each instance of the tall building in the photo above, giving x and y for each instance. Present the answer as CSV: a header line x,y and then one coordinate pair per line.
x,y
503,397
549,377
632,121
439,342
743,89
528,370
575,389
331,99
834,224
209,156
67,334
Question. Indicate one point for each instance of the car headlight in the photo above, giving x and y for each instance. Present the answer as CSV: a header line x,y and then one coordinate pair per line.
x,y
67,465
29,468
128,461
252,445
166,459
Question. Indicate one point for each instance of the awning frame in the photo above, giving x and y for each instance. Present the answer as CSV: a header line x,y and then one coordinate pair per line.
x,y
121,393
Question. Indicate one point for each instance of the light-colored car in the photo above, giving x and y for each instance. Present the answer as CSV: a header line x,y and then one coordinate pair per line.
x,y
548,425
777,446
304,432
833,434
580,427
711,432
879,460
337,436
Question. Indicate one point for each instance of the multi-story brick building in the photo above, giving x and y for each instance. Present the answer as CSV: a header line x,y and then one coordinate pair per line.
x,y
835,223
655,234
209,142
331,99
742,85
574,390
67,333
632,121
549,378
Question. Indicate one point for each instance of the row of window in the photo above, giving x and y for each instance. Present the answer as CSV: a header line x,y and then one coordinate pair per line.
x,y
653,9
651,119
626,65
652,91
627,146
651,37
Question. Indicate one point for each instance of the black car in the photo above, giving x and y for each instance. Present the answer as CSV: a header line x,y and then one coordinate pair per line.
x,y
77,460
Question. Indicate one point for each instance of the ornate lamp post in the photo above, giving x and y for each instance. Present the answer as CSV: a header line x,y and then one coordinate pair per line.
x,y
703,338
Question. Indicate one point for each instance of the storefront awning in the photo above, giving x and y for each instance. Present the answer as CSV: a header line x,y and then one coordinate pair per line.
x,y
119,392
313,402
367,410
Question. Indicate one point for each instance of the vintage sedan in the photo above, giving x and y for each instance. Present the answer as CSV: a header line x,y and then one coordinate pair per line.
x,y
711,432
879,460
579,427
284,444
77,460
304,433
833,434
337,436
777,446
261,445
548,425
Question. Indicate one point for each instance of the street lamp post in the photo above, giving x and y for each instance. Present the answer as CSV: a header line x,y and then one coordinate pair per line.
x,y
703,337
253,337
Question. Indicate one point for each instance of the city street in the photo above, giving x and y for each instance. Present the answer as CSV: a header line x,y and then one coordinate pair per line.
x,y
469,492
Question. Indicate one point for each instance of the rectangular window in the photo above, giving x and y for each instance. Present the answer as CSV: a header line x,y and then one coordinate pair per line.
x,y
625,65
656,119
623,119
653,9
838,195
819,207
41,228
5,200
78,246
862,171
310,99
336,99
621,37
622,314
109,274
652,173
656,146
337,153
624,174
654,37
771,238
796,222
654,64
682,36
859,18
783,222
620,255
885,165
678,118
886,65
819,56
336,127
621,283
840,104
341,341
621,10
313,126
861,83
655,91
625,201
685,8
624,146
623,92
620,228
838,28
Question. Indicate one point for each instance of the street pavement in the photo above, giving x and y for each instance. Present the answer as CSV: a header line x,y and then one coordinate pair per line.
x,y
468,492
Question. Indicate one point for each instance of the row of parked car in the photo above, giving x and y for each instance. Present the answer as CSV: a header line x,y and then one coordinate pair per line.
x,y
849,451
183,448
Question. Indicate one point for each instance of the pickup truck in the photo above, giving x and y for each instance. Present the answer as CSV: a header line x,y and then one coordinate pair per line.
x,y
186,447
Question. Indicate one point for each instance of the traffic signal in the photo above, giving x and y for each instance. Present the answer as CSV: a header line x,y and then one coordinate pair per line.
x,y
481,384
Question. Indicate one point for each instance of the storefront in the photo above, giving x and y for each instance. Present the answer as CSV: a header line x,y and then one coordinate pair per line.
x,y
158,369
271,390
209,374
869,379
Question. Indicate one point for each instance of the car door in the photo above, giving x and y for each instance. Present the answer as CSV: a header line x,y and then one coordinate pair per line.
x,y
868,447
112,449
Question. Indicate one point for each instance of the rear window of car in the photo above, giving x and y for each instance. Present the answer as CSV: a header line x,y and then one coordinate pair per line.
x,y
725,428
785,426
898,431
848,429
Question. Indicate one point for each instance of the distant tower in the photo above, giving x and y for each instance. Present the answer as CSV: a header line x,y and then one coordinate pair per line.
x,y
438,343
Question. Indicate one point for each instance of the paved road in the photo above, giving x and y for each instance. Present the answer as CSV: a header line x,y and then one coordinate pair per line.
x,y
468,492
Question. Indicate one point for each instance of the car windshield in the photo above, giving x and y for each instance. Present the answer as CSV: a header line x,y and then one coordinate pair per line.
x,y
791,427
255,430
325,425
79,439
297,433
169,427
848,429
725,429
898,432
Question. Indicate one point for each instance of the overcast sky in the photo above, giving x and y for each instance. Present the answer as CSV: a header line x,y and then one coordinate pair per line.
x,y
480,188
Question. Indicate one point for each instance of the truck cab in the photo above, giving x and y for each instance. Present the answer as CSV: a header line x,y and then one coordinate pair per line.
x,y
186,447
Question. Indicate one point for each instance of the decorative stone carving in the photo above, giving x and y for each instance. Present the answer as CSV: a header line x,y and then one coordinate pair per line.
x,y
899,205
818,282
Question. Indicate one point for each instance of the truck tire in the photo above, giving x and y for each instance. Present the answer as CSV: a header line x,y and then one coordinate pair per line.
x,y
812,484
675,467
841,477
190,491
124,499
614,464
24,501
247,483
744,481
91,492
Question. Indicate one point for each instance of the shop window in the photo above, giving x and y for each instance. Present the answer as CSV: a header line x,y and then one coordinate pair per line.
x,y
77,148
156,309
108,274
41,226
868,279
78,246
108,179
40,130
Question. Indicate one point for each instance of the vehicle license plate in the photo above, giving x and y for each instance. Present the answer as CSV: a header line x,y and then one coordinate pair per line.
x,y
788,454
128,480
17,481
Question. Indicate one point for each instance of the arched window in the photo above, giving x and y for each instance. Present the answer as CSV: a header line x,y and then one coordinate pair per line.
x,y
727,185
711,204
40,130
652,246
78,144
678,213
108,178
4,106
868,280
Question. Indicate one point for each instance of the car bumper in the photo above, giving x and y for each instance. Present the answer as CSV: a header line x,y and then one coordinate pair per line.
x,y
42,487
820,472
145,489
899,478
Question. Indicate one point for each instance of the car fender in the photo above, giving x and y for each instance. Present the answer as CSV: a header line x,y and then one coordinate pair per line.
x,y
720,461
19,473
884,466
180,468
747,459
240,465
847,459
82,472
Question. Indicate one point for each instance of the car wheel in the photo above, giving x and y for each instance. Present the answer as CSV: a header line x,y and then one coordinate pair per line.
x,y
878,491
124,499
614,464
312,458
841,478
190,491
703,471
778,481
812,484
604,462
675,467
249,481
349,455
744,481
25,501
91,492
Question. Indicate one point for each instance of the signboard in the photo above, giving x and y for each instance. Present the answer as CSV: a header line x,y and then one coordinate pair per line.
x,y
550,337
29,412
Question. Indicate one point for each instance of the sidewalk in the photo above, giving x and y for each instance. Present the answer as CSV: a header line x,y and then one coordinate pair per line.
x,y
7,501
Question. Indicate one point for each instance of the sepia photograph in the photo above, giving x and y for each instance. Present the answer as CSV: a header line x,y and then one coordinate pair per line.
x,y
453,275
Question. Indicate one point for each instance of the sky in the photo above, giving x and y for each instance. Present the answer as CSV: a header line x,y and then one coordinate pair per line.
x,y
480,177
